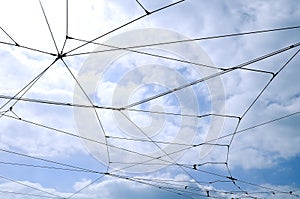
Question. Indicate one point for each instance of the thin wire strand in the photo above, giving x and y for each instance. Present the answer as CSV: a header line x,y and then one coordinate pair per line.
x,y
67,27
26,194
146,11
69,104
9,36
214,75
85,187
189,40
41,166
28,48
145,53
210,172
49,27
95,111
223,176
28,86
29,186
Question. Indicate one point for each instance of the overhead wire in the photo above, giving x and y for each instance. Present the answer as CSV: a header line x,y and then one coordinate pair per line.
x,y
249,107
114,48
49,27
180,190
23,91
214,75
26,194
15,43
29,186
94,110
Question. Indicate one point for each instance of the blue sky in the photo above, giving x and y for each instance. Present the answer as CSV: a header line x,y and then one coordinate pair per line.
x,y
39,158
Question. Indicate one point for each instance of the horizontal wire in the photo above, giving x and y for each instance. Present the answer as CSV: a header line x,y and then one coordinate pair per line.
x,y
86,170
200,170
81,137
69,104
266,123
190,40
147,183
28,48
145,155
41,166
142,53
29,186
248,129
26,194
50,161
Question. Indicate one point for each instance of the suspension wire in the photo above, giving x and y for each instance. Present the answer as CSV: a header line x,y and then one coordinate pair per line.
x,y
142,53
214,75
41,166
67,27
69,104
185,40
15,43
49,27
28,86
95,111
146,11
247,110
77,167
28,48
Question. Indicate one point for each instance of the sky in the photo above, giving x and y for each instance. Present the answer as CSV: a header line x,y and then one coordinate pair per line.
x,y
245,144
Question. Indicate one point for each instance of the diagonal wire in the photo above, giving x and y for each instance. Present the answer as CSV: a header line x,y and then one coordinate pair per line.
x,y
41,166
251,105
16,44
95,111
265,87
173,161
189,40
81,137
146,11
84,187
144,53
28,48
199,144
51,161
49,27
28,86
214,75
148,156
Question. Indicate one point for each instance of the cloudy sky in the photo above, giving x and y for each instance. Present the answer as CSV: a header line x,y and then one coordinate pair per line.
x,y
246,145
